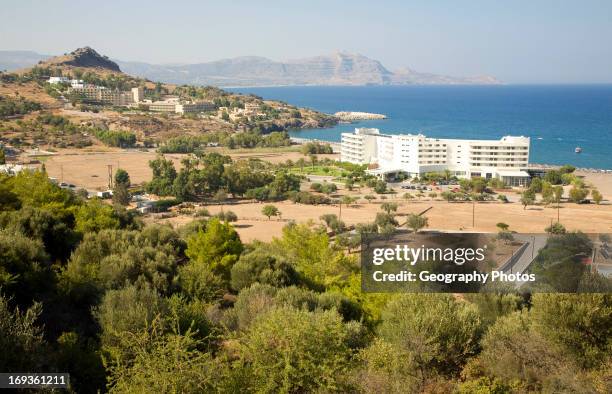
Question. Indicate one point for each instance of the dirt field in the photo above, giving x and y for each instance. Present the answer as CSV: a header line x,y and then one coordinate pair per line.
x,y
87,168
602,181
448,216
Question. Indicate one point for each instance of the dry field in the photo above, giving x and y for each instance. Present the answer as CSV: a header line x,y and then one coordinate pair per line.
x,y
446,216
88,168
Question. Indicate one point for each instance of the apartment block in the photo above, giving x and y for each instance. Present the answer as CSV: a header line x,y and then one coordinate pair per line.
x,y
100,94
416,154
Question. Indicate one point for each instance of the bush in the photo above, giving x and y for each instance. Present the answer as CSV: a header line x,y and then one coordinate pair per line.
x,y
308,198
121,139
310,351
227,216
412,321
21,340
259,267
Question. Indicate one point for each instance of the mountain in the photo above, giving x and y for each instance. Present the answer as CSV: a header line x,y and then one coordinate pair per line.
x,y
83,57
340,68
14,60
337,69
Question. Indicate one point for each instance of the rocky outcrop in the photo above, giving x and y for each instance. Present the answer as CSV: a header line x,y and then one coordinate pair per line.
x,y
353,116
84,58
88,57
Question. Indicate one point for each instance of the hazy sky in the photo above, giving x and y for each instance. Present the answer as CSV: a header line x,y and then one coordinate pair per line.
x,y
516,41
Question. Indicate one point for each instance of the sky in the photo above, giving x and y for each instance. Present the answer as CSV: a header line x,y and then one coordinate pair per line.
x,y
536,41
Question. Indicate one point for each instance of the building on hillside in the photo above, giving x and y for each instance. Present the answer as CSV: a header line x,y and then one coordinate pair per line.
x,y
100,94
75,83
163,106
54,80
251,108
506,159
191,107
138,94
174,105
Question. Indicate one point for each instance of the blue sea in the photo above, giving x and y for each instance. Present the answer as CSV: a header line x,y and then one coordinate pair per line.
x,y
558,118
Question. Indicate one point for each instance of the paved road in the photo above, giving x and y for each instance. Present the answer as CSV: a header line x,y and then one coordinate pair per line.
x,y
526,253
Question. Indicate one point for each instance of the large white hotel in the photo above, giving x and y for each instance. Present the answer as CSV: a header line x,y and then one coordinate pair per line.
x,y
506,159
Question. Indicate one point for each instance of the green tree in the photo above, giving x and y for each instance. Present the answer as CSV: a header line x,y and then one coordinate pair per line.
x,y
578,322
479,185
121,194
528,198
127,310
597,197
269,211
553,177
548,193
536,185
21,339
556,228
502,226
558,194
94,216
122,177
167,362
163,178
577,194
261,267
347,200
416,222
380,187
2,156
310,351
519,355
437,332
388,207
217,248
449,196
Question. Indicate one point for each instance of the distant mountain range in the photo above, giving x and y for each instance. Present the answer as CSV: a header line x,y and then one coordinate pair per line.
x,y
339,68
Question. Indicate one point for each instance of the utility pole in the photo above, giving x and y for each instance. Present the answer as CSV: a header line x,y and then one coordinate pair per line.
x,y
110,176
473,214
61,173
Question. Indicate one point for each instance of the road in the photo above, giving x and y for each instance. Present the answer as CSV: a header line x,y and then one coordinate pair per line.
x,y
532,243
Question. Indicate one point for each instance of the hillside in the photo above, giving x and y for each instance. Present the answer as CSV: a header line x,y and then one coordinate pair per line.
x,y
34,112
82,57
339,68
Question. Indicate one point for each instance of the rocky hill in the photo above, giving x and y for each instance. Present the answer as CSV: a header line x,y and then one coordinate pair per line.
x,y
339,68
83,57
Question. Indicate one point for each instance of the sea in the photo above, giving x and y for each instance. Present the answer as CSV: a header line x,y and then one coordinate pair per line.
x,y
558,118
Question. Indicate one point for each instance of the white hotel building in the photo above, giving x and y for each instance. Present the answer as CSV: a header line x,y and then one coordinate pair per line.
x,y
506,159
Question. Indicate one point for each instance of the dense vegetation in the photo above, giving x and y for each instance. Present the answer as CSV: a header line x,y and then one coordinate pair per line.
x,y
21,106
191,144
122,139
205,175
89,289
